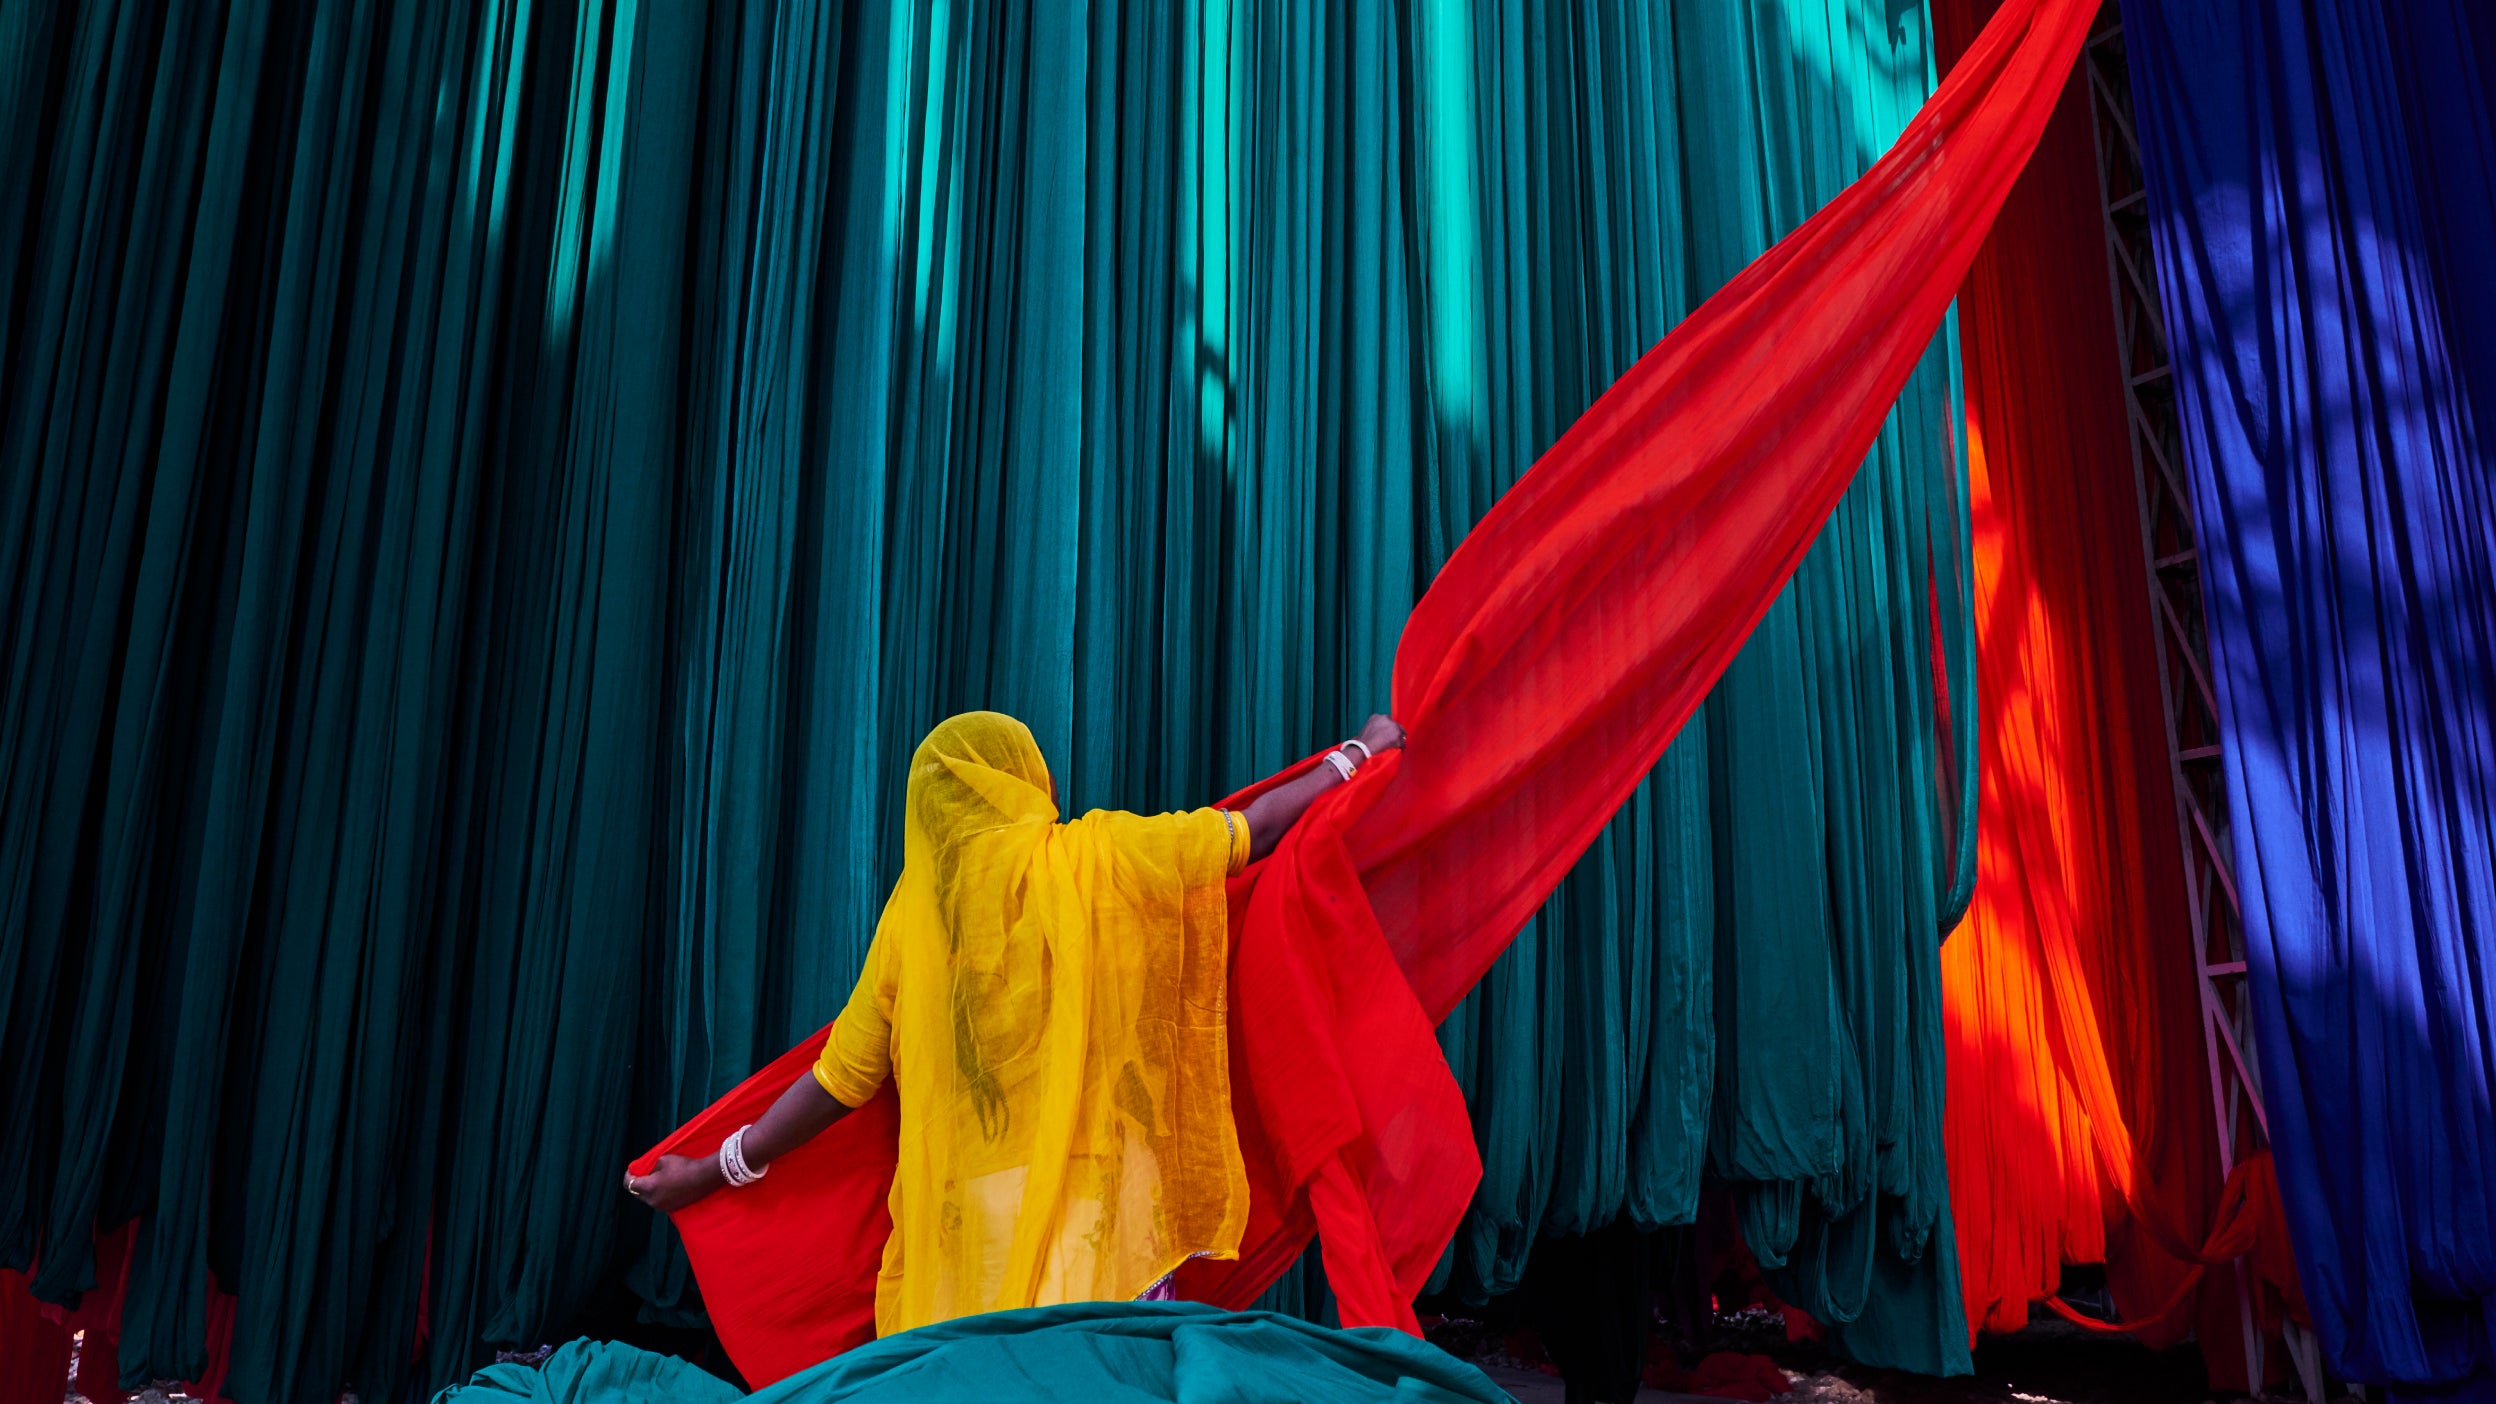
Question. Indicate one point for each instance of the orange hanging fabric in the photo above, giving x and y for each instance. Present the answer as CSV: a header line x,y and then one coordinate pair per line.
x,y
1542,676
2079,1121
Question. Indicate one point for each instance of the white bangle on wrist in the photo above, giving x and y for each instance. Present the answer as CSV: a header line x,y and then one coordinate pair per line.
x,y
1341,763
1367,755
732,1164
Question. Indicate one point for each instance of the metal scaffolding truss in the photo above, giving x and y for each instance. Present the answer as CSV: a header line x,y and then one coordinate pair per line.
x,y
2172,556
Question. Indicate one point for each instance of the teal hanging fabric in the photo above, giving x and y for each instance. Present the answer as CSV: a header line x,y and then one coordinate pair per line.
x,y
1835,724
1794,853
1547,278
493,493
572,812
1830,727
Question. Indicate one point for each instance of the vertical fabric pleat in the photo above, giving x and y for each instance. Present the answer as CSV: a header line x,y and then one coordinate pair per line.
x,y
493,492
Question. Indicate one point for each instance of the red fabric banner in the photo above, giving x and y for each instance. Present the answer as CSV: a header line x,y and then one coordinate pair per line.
x,y
2080,1123
1542,676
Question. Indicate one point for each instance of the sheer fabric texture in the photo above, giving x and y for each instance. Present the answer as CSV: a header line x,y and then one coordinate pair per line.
x,y
1047,999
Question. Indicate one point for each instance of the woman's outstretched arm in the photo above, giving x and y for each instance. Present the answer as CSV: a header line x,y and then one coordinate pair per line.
x,y
799,1116
856,1059
1271,815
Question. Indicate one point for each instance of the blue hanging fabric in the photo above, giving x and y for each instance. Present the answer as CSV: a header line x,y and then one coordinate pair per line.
x,y
2322,183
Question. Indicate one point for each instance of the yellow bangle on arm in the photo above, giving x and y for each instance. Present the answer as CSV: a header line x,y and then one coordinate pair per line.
x,y
1236,824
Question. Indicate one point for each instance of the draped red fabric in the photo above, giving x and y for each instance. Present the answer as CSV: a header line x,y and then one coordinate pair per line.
x,y
2079,1121
1542,675
36,1338
34,1350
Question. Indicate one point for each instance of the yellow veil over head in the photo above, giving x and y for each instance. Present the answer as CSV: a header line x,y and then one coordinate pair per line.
x,y
1048,999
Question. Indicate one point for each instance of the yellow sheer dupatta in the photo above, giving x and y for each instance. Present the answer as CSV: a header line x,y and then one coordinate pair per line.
x,y
1051,1000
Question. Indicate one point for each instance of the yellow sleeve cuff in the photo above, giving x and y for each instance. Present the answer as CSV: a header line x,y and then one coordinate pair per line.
x,y
824,1080
850,1075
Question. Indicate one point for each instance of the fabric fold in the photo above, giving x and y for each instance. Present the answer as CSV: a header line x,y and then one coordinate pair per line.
x,y
1095,1352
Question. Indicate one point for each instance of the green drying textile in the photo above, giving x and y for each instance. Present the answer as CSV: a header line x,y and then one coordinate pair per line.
x,y
490,494
1081,1353
1851,719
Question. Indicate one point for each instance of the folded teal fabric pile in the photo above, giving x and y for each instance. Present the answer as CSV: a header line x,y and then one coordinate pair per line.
x,y
1092,1352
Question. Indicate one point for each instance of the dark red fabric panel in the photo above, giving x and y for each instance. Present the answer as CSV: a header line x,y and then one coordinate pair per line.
x,y
34,1349
1542,675
36,1338
2080,1123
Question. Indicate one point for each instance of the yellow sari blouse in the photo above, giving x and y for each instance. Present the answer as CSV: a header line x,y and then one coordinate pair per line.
x,y
1049,1001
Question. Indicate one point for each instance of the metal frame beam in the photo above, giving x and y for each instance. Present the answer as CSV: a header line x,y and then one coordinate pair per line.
x,y
2171,554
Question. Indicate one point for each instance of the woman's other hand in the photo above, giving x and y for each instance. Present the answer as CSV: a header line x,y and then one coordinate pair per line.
x,y
798,1117
1382,733
675,1182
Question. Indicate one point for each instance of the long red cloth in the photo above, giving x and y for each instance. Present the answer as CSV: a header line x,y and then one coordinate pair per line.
x,y
2079,1122
1541,676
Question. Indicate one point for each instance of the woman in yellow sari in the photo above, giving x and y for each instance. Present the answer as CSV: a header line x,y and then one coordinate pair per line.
x,y
1048,1000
